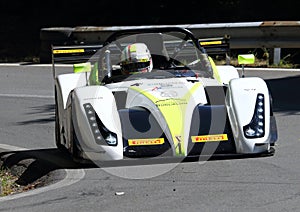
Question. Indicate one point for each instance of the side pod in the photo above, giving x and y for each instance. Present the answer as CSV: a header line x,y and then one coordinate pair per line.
x,y
248,106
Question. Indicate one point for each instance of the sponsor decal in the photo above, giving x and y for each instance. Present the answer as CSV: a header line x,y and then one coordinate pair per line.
x,y
93,98
156,88
249,89
169,93
66,51
147,141
209,138
166,84
137,84
170,102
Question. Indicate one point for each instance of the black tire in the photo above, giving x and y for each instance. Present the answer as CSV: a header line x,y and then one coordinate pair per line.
x,y
74,150
57,128
57,137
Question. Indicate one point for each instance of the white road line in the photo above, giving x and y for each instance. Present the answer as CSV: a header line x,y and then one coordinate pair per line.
x,y
72,176
33,65
10,64
268,69
12,148
26,96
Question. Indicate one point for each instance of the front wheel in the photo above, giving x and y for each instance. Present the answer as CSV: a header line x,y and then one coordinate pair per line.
x,y
57,128
75,148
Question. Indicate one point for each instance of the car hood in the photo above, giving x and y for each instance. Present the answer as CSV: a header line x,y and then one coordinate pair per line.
x,y
172,102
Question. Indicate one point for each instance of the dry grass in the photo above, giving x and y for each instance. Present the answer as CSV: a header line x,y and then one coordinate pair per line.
x,y
259,63
9,185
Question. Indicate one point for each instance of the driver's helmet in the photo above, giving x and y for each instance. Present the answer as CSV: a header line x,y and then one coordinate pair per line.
x,y
136,58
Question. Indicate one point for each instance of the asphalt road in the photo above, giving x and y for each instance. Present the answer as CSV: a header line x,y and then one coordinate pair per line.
x,y
250,184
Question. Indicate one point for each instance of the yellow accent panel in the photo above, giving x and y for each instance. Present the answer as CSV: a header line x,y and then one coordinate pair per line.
x,y
174,111
246,59
82,67
205,43
67,51
209,138
148,141
93,79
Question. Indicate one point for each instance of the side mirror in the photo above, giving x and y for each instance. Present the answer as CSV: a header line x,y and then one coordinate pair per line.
x,y
244,59
82,67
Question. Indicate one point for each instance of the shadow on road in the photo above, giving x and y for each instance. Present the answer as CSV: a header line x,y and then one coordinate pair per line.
x,y
285,94
42,162
47,111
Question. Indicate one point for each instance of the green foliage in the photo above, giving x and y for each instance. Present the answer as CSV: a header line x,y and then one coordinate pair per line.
x,y
285,62
8,185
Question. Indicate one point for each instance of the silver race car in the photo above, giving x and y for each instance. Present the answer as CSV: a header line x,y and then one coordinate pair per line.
x,y
157,93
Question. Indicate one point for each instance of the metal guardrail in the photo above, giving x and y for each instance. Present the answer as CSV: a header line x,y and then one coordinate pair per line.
x,y
219,46
265,34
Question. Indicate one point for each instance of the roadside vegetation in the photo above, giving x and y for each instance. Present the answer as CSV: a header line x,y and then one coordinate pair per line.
x,y
9,180
8,183
262,59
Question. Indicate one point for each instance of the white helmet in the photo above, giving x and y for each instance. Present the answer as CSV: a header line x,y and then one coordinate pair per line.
x,y
136,58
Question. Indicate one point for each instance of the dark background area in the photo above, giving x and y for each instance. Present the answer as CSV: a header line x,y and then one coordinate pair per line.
x,y
21,21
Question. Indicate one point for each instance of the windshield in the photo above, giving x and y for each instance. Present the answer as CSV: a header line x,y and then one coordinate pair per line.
x,y
172,52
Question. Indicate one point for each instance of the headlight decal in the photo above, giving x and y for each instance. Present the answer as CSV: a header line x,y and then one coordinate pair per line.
x,y
256,127
101,134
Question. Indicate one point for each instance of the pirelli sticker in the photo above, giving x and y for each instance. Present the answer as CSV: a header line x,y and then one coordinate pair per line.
x,y
67,51
147,141
206,43
209,138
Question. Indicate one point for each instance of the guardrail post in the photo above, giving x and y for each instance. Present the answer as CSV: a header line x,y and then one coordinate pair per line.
x,y
277,52
275,56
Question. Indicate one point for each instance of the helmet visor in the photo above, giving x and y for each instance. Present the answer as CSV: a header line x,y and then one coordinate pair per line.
x,y
133,67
